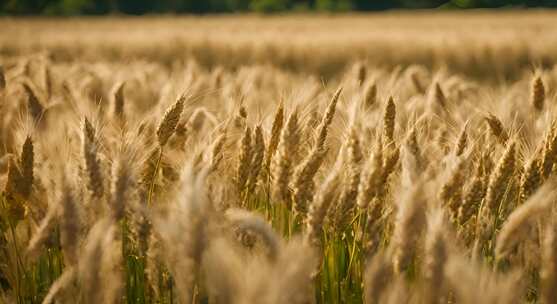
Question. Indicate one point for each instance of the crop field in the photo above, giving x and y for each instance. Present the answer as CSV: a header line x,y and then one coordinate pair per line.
x,y
399,157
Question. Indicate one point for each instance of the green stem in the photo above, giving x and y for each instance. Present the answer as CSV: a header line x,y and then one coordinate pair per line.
x,y
353,251
152,185
18,282
19,263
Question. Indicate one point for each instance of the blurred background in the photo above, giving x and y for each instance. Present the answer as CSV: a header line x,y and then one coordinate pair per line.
x,y
139,7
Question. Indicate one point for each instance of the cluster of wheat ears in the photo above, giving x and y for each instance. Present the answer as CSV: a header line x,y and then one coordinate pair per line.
x,y
140,183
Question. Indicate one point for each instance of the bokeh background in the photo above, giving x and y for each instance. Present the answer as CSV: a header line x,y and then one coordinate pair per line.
x,y
138,7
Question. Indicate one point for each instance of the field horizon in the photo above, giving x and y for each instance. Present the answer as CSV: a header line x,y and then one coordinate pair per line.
x,y
324,45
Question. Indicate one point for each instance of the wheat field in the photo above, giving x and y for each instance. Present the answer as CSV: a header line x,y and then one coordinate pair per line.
x,y
362,158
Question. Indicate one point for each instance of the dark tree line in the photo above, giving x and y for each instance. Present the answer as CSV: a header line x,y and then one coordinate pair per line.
x,y
99,7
